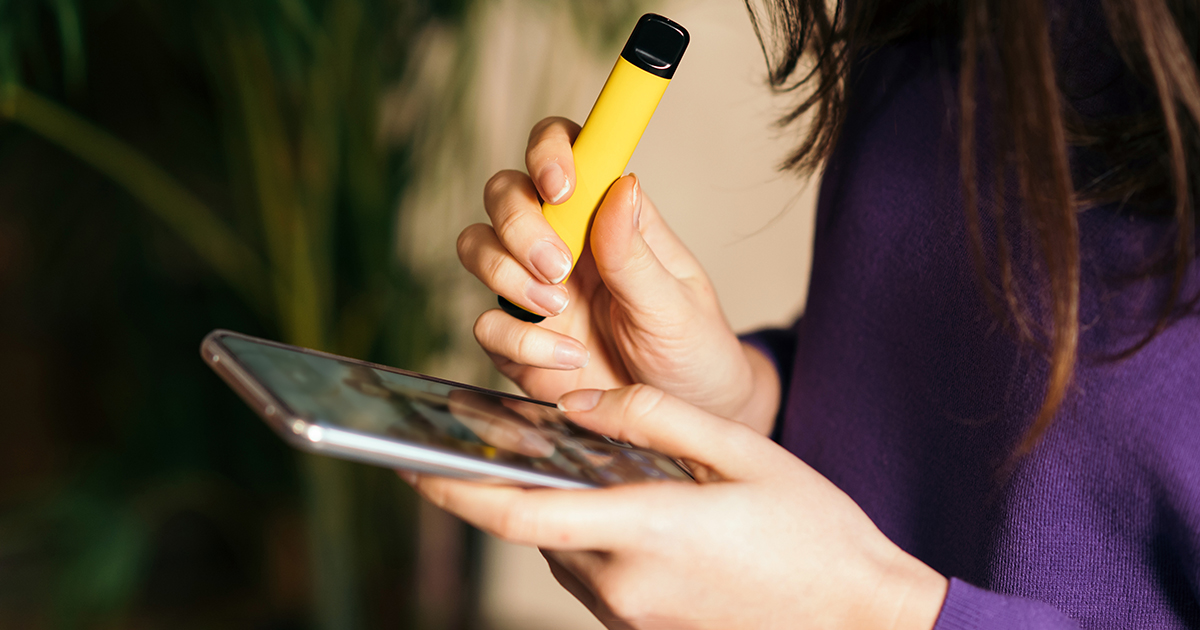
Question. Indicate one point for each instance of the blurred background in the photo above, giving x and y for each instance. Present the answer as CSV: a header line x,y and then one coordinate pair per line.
x,y
299,170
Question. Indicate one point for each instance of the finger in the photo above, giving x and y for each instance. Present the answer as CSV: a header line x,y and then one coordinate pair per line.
x,y
630,269
549,159
528,344
567,520
667,246
512,204
486,258
497,425
645,416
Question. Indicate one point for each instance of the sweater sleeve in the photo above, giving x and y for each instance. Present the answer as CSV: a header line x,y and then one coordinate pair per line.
x,y
971,608
779,345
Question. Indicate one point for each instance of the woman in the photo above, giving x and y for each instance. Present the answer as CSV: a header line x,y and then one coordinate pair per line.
x,y
989,414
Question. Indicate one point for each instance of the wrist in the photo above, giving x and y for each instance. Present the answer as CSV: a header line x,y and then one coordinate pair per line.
x,y
908,596
760,404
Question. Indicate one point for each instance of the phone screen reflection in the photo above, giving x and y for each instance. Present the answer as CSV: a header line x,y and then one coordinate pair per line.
x,y
442,416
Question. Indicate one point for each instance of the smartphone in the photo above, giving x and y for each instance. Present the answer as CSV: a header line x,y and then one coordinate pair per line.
x,y
341,407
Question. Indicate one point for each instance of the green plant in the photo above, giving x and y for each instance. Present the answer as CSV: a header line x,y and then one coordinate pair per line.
x,y
305,239
175,167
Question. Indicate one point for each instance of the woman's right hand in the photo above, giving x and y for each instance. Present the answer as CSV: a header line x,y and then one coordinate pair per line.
x,y
637,307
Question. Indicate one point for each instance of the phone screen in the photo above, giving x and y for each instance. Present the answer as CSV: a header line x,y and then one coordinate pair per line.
x,y
442,416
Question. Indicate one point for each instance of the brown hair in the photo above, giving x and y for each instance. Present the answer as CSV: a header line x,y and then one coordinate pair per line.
x,y
1158,149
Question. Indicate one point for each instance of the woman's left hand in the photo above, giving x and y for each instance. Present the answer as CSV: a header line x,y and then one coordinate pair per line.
x,y
763,541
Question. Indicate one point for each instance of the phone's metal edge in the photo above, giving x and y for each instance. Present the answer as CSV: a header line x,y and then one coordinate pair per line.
x,y
220,332
273,411
321,438
215,335
326,438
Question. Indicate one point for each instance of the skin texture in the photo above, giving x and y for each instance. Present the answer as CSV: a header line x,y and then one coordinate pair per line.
x,y
639,306
763,541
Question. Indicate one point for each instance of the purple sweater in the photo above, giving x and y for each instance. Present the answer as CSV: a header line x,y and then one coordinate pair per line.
x,y
900,387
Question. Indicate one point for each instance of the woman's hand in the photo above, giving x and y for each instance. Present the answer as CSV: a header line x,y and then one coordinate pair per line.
x,y
763,542
637,307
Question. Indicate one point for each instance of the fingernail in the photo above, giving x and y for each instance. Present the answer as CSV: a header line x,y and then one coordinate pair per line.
x,y
637,202
550,261
408,476
552,297
552,178
570,355
580,400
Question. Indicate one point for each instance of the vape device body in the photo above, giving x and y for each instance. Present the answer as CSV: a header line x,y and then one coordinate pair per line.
x,y
613,129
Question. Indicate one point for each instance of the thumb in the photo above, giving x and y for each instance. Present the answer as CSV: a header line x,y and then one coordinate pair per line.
x,y
649,418
628,266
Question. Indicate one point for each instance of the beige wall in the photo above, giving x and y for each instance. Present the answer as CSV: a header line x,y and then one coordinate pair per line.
x,y
707,158
708,162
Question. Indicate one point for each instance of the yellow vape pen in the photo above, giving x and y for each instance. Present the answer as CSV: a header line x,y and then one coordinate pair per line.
x,y
612,130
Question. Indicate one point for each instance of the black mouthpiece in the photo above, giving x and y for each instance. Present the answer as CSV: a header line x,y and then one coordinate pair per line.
x,y
656,45
518,312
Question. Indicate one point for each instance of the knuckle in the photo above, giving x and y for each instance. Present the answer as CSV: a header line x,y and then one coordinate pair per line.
x,y
526,342
493,330
568,126
514,524
469,239
510,222
484,325
496,186
541,127
551,129
640,261
641,400
492,267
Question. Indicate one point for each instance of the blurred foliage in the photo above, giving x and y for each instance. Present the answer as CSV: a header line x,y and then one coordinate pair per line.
x,y
604,25
247,130
167,168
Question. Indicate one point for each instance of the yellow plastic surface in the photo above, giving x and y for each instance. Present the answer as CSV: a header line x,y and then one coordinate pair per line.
x,y
603,148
